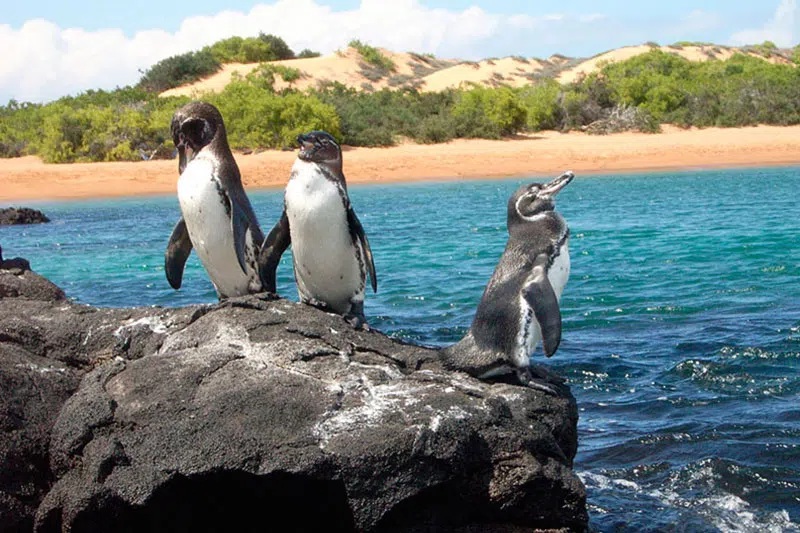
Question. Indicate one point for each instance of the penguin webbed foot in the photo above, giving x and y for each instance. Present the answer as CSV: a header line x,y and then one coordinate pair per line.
x,y
319,304
356,316
540,378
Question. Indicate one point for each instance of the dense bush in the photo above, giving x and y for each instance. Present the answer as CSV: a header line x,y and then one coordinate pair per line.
x,y
378,118
741,91
256,117
540,102
265,47
20,127
488,113
307,53
178,70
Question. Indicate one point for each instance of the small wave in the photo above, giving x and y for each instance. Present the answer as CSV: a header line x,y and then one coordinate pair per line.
x,y
688,500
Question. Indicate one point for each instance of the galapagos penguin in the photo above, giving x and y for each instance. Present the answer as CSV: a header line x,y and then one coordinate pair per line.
x,y
330,250
520,305
218,220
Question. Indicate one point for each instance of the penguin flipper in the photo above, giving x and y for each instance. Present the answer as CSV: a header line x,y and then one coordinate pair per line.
x,y
178,249
240,224
271,251
357,233
541,297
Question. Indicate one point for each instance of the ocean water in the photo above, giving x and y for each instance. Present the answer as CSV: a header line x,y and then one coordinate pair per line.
x,y
681,332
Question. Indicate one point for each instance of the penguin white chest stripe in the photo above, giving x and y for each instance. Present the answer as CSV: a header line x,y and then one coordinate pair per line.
x,y
207,216
530,333
326,262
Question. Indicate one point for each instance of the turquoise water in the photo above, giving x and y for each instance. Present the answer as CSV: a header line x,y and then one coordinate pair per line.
x,y
681,319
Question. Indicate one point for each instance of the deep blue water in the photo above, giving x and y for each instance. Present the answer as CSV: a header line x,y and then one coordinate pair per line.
x,y
681,319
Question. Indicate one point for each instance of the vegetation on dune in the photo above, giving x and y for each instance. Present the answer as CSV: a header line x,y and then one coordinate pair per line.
x,y
185,68
179,70
373,56
637,94
265,47
307,53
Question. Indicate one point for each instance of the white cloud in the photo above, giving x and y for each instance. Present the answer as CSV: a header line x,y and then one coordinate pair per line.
x,y
783,29
48,61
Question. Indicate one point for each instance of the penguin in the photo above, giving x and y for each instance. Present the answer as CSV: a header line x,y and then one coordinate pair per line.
x,y
330,251
217,218
520,305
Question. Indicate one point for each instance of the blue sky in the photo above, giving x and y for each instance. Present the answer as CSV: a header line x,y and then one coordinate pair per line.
x,y
57,47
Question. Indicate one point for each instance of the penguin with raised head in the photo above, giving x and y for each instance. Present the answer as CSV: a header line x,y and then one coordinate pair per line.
x,y
330,250
218,220
519,306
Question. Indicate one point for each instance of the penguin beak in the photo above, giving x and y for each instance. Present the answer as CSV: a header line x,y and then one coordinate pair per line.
x,y
184,158
181,158
557,184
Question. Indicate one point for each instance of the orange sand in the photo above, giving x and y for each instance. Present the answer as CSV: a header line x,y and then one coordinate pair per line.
x,y
545,154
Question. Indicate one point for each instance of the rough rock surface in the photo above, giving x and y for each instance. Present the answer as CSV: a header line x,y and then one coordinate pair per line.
x,y
228,417
21,215
17,280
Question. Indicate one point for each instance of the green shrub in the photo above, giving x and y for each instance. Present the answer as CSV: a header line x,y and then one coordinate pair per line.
x,y
256,117
178,70
265,47
541,105
264,75
766,49
20,126
278,46
435,129
488,113
373,56
307,53
100,126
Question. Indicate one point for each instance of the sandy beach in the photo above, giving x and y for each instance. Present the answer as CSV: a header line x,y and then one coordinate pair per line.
x,y
542,154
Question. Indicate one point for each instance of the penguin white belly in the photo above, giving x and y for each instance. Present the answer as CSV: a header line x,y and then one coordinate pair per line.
x,y
208,222
325,262
530,333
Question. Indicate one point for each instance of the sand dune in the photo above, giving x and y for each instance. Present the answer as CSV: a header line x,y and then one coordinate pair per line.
x,y
692,53
345,67
432,74
547,153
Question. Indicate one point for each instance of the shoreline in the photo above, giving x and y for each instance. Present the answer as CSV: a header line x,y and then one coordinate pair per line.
x,y
542,154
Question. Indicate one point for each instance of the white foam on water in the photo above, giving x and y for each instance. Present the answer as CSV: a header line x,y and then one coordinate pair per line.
x,y
727,512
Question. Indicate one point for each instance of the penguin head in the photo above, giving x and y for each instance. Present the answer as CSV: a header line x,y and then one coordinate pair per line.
x,y
193,127
536,198
320,147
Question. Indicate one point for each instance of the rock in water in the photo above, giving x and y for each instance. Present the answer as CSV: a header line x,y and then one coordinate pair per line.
x,y
17,280
231,416
21,215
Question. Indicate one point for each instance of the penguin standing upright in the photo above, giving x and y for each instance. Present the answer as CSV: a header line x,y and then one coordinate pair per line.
x,y
218,220
519,306
330,251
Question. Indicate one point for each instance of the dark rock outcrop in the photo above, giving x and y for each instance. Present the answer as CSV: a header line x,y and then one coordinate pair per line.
x,y
231,416
17,280
21,215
